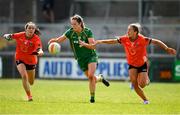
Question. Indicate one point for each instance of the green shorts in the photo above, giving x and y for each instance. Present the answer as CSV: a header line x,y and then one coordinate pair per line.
x,y
83,63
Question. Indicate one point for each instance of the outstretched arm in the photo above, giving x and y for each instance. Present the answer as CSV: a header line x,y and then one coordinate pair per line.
x,y
92,44
108,41
164,46
59,39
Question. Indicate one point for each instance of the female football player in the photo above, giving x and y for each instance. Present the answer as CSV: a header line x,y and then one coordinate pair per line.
x,y
135,47
85,55
28,47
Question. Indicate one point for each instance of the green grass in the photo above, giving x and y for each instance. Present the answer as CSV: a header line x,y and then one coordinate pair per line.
x,y
72,97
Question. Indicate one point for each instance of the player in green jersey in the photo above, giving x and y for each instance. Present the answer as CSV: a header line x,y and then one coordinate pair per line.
x,y
81,40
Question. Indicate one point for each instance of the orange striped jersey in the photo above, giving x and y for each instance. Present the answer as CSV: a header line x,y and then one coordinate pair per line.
x,y
136,53
25,47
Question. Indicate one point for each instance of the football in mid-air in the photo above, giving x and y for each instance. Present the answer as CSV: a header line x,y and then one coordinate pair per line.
x,y
54,48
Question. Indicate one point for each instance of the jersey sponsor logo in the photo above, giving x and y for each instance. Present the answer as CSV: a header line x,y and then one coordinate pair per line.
x,y
30,44
76,42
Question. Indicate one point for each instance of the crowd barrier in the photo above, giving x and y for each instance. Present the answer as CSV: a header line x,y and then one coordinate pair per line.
x,y
162,69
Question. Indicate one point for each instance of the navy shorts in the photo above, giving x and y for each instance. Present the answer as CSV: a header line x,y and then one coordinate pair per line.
x,y
28,67
140,69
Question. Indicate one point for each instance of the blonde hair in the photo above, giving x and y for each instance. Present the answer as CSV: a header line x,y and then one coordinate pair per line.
x,y
136,27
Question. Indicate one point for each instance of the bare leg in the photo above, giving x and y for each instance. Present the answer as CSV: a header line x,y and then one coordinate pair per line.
x,y
139,91
22,70
143,79
31,76
133,77
92,80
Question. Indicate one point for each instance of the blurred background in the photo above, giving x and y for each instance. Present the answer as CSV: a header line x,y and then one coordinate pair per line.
x,y
107,18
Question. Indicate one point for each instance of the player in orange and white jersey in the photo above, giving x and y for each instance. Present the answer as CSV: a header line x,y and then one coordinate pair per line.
x,y
135,45
28,48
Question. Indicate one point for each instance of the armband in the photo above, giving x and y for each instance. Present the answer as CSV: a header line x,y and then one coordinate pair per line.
x,y
7,37
37,50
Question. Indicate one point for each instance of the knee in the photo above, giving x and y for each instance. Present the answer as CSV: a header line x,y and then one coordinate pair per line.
x,y
142,85
90,76
31,82
134,82
24,77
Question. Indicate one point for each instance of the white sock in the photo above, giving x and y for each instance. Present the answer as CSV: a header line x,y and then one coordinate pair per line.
x,y
98,78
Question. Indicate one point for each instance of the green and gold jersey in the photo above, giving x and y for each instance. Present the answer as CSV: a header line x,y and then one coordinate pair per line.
x,y
80,52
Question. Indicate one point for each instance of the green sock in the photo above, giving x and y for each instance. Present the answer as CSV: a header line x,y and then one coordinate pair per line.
x,y
92,95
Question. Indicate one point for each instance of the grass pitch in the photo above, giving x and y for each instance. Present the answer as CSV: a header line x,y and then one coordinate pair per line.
x,y
72,97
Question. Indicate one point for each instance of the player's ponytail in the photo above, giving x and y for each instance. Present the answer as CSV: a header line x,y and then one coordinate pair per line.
x,y
37,31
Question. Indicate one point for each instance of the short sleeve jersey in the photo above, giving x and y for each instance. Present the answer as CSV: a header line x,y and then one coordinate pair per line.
x,y
136,53
25,47
80,52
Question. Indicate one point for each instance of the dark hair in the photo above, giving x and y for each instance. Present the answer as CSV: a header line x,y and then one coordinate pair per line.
x,y
79,19
136,27
37,31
